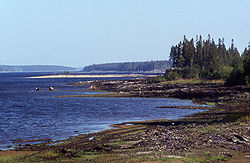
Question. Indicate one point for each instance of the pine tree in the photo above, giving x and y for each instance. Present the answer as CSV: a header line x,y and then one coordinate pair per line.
x,y
246,62
213,62
207,60
173,56
198,60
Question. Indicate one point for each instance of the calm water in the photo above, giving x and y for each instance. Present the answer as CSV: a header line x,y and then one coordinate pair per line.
x,y
27,114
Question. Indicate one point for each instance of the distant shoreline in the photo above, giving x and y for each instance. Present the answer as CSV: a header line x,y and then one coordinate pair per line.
x,y
91,76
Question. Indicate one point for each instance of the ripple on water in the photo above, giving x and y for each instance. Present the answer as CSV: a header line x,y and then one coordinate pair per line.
x,y
27,114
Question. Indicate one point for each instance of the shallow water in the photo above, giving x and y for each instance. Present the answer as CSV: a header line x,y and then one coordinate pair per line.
x,y
28,114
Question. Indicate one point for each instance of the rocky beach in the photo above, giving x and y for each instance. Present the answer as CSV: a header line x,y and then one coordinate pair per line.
x,y
220,133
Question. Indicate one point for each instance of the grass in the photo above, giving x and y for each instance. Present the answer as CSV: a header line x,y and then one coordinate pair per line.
x,y
209,128
199,156
8,158
193,81
205,129
128,129
130,155
14,156
115,143
210,103
133,133
213,158
87,156
48,155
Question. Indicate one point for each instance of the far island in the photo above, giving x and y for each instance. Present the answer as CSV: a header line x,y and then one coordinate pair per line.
x,y
34,68
149,66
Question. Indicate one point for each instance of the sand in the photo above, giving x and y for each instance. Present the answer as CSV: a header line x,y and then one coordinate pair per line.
x,y
92,76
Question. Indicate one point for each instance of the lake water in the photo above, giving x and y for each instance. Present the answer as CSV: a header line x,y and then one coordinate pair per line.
x,y
27,114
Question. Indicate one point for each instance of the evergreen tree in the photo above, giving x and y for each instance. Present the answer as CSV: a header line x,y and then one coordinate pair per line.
x,y
198,60
213,61
174,56
207,60
246,65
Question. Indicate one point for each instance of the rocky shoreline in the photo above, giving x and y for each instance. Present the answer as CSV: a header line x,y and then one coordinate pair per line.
x,y
219,134
199,92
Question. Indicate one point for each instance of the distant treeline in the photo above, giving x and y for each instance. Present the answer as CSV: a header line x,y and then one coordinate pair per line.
x,y
130,66
207,60
34,68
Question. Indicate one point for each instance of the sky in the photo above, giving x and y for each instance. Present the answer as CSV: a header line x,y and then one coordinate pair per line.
x,y
83,32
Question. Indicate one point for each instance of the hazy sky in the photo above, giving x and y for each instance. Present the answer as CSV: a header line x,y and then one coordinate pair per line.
x,y
83,32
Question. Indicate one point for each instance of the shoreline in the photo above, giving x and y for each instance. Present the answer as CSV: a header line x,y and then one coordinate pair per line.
x,y
91,76
194,133
223,131
202,92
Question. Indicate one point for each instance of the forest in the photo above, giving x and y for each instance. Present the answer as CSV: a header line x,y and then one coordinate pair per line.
x,y
130,66
204,59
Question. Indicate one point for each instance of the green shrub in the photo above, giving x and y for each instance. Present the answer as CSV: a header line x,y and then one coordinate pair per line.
x,y
224,72
172,75
236,78
157,79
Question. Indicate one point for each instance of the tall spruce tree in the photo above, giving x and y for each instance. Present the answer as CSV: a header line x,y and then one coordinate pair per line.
x,y
198,60
205,59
